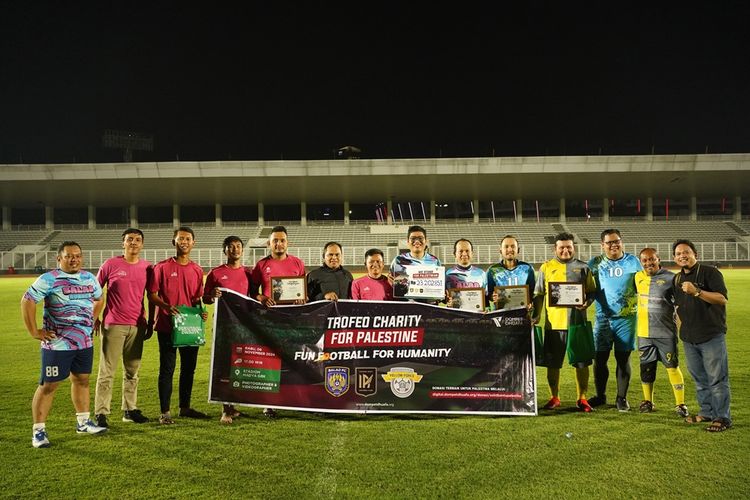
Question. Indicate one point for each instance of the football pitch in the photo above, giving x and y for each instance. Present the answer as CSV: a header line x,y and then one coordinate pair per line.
x,y
605,454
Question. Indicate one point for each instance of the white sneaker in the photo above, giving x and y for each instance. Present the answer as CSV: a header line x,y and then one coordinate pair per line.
x,y
40,439
89,427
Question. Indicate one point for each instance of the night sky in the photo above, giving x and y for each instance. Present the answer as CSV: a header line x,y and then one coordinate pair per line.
x,y
282,81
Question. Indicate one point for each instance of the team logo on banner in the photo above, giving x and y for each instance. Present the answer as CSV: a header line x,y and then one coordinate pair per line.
x,y
402,381
365,381
337,380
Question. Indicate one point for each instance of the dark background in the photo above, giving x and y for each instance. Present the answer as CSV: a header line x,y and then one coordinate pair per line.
x,y
220,82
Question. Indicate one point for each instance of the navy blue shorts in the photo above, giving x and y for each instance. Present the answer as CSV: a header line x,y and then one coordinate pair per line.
x,y
57,365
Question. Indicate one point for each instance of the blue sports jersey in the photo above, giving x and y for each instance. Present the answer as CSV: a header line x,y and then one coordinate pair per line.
x,y
68,307
616,295
465,277
522,274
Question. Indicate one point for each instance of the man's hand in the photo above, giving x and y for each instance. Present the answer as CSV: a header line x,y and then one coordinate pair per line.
x,y
44,335
265,300
330,296
149,332
97,326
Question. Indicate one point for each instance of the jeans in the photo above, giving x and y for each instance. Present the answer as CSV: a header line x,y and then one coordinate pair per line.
x,y
708,365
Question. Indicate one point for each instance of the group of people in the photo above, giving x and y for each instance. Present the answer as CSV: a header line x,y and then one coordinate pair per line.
x,y
631,294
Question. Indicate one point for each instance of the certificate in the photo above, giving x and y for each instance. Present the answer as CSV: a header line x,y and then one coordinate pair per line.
x,y
288,289
511,297
420,282
566,294
468,299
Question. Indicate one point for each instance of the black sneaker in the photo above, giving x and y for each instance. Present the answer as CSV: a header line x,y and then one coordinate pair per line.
x,y
622,404
191,413
101,420
682,411
646,406
134,416
269,413
598,401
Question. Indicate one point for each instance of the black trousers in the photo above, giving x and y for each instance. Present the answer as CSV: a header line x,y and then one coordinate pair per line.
x,y
167,364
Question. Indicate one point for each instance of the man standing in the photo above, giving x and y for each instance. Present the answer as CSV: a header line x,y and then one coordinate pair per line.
x,y
176,281
330,281
464,274
657,330
374,286
564,267
72,299
701,299
278,263
616,303
124,328
233,276
509,271
416,240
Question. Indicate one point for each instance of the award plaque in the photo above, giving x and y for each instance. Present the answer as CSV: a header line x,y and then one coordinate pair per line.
x,y
511,297
566,294
468,299
288,289
420,282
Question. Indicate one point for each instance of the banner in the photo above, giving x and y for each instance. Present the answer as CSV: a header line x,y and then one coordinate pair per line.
x,y
370,356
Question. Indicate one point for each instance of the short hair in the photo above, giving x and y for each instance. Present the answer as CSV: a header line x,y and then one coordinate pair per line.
x,y
646,250
610,231
229,240
564,237
455,245
684,242
416,229
132,230
374,251
64,244
184,229
330,243
507,236
279,229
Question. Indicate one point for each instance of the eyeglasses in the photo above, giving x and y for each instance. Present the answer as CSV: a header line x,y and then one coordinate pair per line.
x,y
416,239
613,242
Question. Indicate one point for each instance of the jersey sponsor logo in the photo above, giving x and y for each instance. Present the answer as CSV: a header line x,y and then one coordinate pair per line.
x,y
403,381
337,380
174,274
121,273
365,381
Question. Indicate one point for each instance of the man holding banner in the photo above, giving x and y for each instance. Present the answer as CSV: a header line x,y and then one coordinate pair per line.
x,y
176,281
564,289
416,240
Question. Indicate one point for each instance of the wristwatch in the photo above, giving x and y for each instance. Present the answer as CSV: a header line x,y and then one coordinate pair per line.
x,y
697,292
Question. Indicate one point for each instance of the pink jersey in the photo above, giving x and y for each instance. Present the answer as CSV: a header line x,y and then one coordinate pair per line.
x,y
177,285
125,284
236,279
268,267
366,288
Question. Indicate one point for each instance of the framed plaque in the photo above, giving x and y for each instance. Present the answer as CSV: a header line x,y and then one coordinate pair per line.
x,y
511,297
288,289
420,282
566,294
468,299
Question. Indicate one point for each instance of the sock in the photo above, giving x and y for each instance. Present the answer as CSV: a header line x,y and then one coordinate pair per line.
x,y
678,385
553,379
623,373
82,417
582,382
37,427
601,373
648,391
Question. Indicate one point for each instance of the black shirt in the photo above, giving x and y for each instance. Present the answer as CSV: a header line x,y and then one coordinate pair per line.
x,y
700,321
324,279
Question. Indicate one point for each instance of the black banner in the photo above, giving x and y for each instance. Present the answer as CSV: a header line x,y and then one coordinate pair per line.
x,y
367,356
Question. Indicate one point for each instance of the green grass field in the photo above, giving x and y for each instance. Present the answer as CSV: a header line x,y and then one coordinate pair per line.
x,y
301,455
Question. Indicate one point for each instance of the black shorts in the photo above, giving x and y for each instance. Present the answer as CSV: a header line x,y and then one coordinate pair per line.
x,y
664,350
555,347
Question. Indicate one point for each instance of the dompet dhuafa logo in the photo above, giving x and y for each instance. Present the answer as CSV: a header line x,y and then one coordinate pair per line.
x,y
402,381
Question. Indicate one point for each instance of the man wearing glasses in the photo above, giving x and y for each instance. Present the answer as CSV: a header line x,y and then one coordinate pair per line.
x,y
416,238
616,305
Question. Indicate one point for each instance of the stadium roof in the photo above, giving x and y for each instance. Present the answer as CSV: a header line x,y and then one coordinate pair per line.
x,y
370,181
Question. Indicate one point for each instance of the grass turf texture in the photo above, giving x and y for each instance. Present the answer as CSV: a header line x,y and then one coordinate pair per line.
x,y
608,454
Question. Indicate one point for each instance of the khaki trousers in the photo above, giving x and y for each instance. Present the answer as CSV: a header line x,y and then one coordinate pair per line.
x,y
124,341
